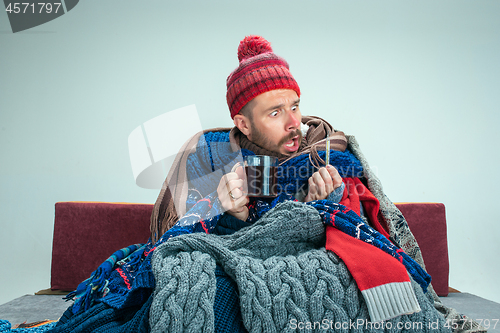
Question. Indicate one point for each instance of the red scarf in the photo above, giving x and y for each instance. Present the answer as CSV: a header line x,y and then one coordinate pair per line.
x,y
382,279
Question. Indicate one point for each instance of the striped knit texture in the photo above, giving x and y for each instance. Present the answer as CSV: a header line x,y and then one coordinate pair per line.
x,y
5,326
259,71
380,300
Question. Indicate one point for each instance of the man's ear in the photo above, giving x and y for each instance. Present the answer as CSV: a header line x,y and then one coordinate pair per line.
x,y
242,123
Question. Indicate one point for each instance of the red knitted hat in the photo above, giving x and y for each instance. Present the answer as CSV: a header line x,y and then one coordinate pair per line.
x,y
260,70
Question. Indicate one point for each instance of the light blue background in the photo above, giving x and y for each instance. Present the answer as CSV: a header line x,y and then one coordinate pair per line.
x,y
417,82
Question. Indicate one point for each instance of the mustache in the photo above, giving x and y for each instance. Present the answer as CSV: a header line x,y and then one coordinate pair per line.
x,y
291,136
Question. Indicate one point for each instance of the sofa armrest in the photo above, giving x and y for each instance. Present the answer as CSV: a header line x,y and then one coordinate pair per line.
x,y
427,222
87,233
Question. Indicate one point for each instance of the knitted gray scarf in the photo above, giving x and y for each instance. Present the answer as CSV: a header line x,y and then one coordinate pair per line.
x,y
285,280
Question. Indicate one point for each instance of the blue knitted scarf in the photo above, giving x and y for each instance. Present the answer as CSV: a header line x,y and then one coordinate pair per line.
x,y
214,153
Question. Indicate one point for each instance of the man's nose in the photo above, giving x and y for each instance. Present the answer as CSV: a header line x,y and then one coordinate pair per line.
x,y
293,121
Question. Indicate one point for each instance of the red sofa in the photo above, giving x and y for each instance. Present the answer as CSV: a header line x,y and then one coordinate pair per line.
x,y
87,233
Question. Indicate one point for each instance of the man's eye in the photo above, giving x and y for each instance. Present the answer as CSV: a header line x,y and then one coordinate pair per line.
x,y
295,107
274,113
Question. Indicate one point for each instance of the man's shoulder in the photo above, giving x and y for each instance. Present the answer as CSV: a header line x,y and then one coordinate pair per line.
x,y
214,149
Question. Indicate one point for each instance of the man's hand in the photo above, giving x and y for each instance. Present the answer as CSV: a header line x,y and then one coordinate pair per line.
x,y
231,195
322,183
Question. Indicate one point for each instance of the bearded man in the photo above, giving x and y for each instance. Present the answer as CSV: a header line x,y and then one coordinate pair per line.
x,y
329,253
263,99
205,192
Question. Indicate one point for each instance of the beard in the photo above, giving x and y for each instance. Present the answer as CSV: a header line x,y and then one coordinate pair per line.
x,y
261,140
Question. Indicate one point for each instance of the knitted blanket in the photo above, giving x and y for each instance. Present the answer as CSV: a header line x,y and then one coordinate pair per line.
x,y
128,283
286,280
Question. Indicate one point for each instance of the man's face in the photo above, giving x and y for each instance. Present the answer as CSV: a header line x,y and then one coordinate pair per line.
x,y
275,121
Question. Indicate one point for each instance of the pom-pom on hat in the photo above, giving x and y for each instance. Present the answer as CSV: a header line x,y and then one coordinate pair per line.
x,y
260,70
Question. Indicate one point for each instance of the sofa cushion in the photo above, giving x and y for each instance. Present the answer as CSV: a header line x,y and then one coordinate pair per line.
x,y
427,222
87,233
